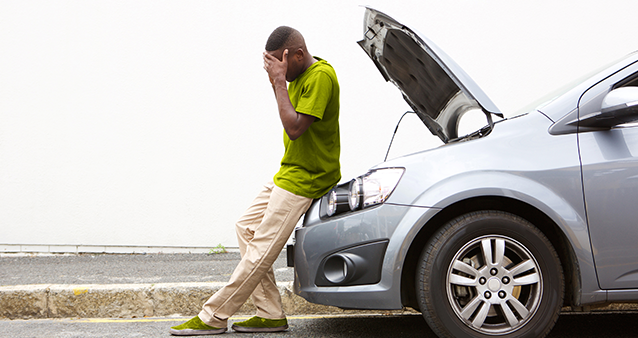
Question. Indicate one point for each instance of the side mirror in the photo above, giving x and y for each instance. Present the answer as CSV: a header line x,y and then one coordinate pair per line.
x,y
619,106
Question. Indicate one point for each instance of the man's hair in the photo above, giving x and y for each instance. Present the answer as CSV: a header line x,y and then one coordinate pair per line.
x,y
279,37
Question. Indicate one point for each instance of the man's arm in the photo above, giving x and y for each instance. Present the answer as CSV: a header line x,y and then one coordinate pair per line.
x,y
295,124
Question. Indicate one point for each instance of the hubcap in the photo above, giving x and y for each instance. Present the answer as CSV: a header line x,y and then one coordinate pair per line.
x,y
494,285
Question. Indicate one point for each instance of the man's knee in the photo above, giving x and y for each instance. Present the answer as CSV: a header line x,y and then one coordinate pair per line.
x,y
243,231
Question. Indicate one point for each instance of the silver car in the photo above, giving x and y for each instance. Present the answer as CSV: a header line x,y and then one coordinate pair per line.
x,y
493,232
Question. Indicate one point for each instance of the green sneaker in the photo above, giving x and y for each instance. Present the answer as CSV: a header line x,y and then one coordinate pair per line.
x,y
258,324
195,327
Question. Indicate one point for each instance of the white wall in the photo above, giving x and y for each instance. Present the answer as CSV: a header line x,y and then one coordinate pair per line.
x,y
152,123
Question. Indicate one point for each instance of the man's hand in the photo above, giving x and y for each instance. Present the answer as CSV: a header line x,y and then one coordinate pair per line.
x,y
276,69
294,123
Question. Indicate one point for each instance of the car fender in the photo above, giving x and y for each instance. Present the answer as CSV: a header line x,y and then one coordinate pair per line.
x,y
567,213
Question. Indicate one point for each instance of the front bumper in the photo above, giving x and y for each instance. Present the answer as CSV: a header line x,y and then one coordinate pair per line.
x,y
354,260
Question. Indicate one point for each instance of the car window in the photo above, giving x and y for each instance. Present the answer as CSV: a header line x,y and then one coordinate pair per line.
x,y
630,81
591,100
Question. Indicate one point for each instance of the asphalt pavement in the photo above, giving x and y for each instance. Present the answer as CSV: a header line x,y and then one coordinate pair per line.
x,y
45,286
41,286
617,325
25,269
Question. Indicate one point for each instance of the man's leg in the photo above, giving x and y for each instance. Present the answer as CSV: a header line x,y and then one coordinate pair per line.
x,y
266,296
249,221
267,299
282,213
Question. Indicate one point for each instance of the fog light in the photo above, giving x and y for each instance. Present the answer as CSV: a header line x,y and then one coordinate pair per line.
x,y
336,269
344,267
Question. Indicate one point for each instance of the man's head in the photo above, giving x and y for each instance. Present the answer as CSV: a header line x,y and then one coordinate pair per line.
x,y
283,38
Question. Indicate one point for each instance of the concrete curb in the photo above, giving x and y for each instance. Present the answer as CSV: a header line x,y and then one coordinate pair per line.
x,y
134,301
160,300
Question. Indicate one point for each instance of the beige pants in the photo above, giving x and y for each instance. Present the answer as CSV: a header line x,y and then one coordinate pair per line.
x,y
262,232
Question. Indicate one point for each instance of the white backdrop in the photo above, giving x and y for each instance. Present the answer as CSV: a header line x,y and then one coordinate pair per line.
x,y
152,123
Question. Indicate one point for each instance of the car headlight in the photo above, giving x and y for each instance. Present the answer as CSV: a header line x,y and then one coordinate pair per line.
x,y
354,194
378,185
332,203
337,201
364,191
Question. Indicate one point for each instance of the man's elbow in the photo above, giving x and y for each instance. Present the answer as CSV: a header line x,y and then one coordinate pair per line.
x,y
295,130
294,134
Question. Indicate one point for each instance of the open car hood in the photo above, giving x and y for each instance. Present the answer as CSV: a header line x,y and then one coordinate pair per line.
x,y
436,88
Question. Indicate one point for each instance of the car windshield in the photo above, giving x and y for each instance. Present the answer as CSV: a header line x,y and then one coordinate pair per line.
x,y
541,102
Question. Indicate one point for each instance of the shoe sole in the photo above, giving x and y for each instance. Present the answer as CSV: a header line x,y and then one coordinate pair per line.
x,y
259,329
191,332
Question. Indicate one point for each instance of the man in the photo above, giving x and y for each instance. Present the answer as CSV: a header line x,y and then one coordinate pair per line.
x,y
309,113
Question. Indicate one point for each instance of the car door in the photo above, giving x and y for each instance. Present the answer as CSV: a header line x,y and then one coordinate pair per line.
x,y
609,161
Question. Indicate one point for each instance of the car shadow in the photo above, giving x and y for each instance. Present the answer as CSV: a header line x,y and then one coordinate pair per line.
x,y
617,325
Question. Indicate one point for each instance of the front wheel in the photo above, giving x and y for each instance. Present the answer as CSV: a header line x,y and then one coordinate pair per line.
x,y
490,273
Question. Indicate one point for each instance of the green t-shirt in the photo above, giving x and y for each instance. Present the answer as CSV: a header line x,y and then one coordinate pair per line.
x,y
310,166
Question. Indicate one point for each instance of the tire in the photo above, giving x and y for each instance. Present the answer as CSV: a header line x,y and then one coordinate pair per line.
x,y
516,290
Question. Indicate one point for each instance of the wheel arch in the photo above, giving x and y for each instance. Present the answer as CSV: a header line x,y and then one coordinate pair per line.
x,y
533,215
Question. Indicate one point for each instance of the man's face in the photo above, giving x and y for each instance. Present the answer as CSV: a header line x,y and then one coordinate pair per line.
x,y
292,71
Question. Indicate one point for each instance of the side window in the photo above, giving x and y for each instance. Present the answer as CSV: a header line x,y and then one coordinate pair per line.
x,y
584,119
591,101
630,81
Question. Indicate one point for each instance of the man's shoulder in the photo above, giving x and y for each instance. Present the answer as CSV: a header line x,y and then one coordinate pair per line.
x,y
322,68
323,65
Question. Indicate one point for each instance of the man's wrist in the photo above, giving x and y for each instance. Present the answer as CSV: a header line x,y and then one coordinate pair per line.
x,y
279,82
